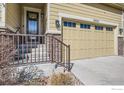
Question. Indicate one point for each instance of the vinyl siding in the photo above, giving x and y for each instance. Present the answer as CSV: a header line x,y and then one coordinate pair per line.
x,y
2,15
83,11
0,12
13,15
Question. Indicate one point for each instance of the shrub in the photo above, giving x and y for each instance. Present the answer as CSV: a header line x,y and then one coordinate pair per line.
x,y
61,79
8,76
37,81
7,50
29,73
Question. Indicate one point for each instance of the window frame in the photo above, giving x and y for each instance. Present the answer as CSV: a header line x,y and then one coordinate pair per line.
x,y
109,28
85,26
69,24
99,28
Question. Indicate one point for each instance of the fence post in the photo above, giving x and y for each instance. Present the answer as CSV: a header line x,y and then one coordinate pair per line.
x,y
52,48
2,37
69,68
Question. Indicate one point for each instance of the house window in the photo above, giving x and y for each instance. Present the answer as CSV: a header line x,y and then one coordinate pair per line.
x,y
98,28
69,24
109,29
74,24
85,26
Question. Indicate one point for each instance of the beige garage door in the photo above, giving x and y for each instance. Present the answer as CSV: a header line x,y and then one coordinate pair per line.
x,y
88,40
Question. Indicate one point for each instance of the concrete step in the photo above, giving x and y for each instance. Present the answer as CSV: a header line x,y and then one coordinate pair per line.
x,y
37,59
30,46
30,61
38,50
24,49
37,54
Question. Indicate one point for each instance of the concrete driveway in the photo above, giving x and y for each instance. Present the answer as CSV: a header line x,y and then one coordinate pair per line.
x,y
100,71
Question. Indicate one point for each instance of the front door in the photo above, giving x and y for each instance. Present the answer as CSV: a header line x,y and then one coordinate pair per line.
x,y
32,24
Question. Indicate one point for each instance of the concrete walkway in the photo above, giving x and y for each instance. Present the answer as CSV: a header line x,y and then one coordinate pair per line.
x,y
100,71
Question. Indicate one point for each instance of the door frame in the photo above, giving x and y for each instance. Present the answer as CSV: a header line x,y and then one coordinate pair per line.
x,y
25,18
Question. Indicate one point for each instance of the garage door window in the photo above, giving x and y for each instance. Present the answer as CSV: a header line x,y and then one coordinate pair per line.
x,y
98,28
69,24
65,23
109,29
85,26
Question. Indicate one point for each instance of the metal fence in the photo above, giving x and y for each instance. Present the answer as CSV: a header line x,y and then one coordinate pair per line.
x,y
29,48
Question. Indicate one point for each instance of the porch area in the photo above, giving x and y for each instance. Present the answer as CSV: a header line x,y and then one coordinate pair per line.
x,y
26,18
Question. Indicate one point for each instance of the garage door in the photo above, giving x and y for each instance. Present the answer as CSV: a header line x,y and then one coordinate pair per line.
x,y
88,40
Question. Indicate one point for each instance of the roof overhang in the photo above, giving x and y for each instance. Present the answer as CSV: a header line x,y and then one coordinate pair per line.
x,y
119,6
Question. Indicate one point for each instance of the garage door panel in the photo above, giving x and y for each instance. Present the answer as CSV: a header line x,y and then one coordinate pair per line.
x,y
87,43
104,44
